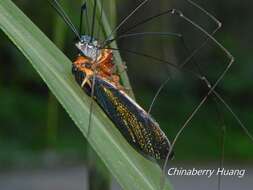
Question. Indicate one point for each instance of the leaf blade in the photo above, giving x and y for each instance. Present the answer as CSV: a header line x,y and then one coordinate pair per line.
x,y
55,69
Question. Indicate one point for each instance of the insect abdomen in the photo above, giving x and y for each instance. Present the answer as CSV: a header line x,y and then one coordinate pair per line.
x,y
138,127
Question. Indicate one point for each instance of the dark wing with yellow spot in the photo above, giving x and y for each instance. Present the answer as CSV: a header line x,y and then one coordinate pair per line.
x,y
138,127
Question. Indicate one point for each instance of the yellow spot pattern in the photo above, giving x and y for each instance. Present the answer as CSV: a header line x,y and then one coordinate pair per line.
x,y
135,128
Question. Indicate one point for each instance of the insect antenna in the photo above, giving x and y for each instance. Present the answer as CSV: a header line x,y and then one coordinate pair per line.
x,y
100,18
83,10
93,20
56,5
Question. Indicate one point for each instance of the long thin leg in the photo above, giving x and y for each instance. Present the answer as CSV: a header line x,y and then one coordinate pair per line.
x,y
209,37
172,34
190,56
161,14
216,94
215,99
181,15
207,82
220,116
197,75
124,20
91,106
221,76
218,23
124,35
222,142
178,13
228,54
92,99
211,88
141,34
157,94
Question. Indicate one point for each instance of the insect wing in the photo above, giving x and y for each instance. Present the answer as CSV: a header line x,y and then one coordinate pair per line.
x,y
135,124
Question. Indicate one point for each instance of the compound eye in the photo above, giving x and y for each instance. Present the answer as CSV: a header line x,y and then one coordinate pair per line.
x,y
87,65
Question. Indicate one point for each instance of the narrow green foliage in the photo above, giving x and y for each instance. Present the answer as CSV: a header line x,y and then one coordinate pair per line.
x,y
59,35
131,169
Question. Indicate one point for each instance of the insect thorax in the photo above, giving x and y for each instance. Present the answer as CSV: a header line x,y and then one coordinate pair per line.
x,y
93,58
89,47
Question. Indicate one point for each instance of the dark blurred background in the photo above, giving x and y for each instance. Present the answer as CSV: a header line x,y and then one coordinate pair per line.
x,y
37,132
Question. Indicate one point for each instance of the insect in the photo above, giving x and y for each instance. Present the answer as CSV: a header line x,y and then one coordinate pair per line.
x,y
135,124
94,72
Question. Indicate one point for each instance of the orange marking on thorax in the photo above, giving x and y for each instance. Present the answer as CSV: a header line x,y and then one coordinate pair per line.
x,y
104,67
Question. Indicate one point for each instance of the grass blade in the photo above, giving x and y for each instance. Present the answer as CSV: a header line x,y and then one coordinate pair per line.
x,y
130,169
106,28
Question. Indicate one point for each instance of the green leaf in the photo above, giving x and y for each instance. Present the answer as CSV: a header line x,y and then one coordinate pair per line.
x,y
130,169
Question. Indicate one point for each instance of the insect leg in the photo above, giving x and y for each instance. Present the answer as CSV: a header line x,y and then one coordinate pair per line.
x,y
85,80
211,87
193,73
222,143
91,106
223,127
215,99
180,14
158,92
213,18
124,35
149,19
215,93
92,97
124,20
141,34
203,78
